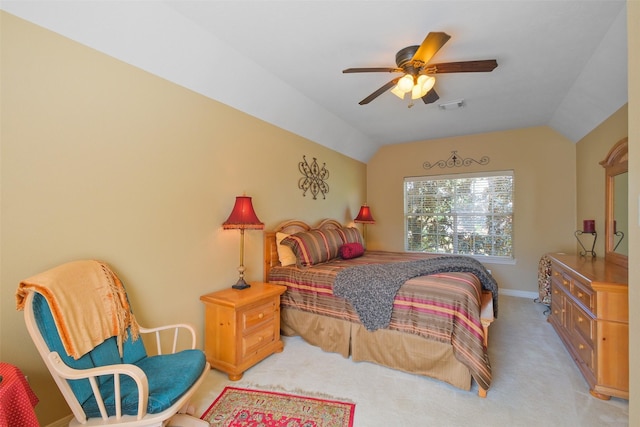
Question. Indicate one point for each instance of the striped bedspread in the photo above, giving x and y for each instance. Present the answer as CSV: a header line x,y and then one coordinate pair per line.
x,y
444,307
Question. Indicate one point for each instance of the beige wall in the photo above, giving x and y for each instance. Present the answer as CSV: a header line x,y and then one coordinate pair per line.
x,y
633,28
102,160
590,151
543,162
99,159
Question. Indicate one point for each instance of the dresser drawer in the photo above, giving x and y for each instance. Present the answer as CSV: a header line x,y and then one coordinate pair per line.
x,y
582,323
557,304
560,278
255,317
574,286
257,340
584,294
584,352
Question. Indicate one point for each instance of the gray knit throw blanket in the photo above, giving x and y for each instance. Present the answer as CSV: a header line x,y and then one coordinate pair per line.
x,y
372,288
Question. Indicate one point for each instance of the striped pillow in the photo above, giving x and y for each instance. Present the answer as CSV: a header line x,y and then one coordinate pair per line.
x,y
351,235
315,246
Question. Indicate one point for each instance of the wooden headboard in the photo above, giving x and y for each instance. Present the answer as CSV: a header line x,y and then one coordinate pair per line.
x,y
288,227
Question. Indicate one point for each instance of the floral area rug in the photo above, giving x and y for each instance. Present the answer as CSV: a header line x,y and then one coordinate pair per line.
x,y
239,407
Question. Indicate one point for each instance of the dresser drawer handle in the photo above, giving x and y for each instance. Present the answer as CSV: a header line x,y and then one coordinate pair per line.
x,y
580,294
580,319
555,291
565,282
581,347
260,316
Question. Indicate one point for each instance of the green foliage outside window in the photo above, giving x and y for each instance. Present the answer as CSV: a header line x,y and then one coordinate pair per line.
x,y
460,214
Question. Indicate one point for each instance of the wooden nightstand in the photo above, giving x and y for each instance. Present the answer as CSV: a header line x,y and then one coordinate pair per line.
x,y
242,327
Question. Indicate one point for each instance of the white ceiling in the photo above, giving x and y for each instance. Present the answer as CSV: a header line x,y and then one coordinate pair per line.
x,y
561,63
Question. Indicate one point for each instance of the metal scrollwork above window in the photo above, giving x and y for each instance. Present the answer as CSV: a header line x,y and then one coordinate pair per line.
x,y
314,178
456,161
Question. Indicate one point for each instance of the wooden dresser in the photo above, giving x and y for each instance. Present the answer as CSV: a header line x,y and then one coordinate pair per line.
x,y
590,313
242,327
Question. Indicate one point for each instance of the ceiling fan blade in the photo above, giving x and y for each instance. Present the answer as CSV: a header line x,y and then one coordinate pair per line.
x,y
430,46
431,97
464,67
373,70
379,92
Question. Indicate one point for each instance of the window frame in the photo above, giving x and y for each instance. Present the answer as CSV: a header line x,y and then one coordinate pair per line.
x,y
496,259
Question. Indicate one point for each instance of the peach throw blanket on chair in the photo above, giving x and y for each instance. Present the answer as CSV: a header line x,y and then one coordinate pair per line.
x,y
88,303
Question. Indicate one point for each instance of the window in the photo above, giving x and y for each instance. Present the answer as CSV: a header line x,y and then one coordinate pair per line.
x,y
466,214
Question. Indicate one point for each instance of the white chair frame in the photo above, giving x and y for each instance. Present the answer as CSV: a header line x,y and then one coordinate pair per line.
x,y
174,415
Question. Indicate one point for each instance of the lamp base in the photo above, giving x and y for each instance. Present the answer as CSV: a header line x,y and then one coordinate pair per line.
x,y
241,284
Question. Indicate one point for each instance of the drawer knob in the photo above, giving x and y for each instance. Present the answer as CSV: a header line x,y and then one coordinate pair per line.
x,y
580,294
565,282
580,319
581,347
260,316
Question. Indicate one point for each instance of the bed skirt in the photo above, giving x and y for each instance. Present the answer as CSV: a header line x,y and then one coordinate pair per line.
x,y
393,349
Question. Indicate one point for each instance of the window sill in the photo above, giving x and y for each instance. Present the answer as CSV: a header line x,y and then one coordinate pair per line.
x,y
482,258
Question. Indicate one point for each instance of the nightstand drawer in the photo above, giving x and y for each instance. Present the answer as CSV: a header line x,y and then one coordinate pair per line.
x,y
242,327
255,317
256,341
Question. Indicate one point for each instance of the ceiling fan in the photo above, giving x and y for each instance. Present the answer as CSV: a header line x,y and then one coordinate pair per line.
x,y
417,79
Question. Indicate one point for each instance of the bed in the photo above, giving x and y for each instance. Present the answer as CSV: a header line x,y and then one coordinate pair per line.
x,y
437,324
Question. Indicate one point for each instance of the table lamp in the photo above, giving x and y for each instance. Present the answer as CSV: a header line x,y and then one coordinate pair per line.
x,y
242,217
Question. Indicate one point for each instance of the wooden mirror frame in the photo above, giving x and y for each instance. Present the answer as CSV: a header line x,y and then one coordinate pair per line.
x,y
615,163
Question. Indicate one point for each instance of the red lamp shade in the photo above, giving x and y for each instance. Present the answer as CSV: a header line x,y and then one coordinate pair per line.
x,y
243,216
364,216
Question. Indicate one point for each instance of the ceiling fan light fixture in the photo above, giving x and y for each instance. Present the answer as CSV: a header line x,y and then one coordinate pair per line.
x,y
405,84
423,86
398,92
428,84
416,92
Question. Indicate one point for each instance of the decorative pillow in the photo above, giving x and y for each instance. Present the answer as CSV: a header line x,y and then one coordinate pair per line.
x,y
334,241
351,235
314,247
285,254
351,250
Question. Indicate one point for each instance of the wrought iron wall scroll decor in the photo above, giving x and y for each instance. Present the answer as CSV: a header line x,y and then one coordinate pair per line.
x,y
314,178
456,161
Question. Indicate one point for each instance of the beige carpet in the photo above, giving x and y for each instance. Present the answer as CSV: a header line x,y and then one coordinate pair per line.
x,y
535,382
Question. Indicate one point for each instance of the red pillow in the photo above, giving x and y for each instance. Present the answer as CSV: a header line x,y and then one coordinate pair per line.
x,y
351,250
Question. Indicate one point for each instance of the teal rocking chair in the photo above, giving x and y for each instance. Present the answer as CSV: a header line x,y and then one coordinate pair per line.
x,y
103,388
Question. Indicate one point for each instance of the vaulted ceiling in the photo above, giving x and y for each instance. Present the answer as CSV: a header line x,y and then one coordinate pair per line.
x,y
561,63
